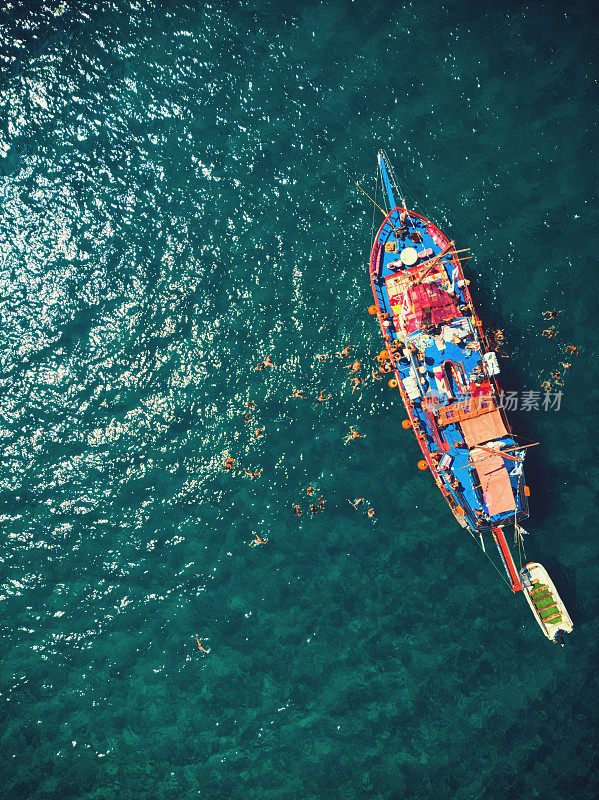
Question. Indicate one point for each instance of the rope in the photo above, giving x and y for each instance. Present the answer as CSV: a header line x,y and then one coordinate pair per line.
x,y
415,199
383,212
520,539
495,567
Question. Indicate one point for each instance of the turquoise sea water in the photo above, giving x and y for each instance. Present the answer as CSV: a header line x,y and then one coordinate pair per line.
x,y
171,212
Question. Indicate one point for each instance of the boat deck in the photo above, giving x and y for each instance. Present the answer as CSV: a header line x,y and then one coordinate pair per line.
x,y
435,347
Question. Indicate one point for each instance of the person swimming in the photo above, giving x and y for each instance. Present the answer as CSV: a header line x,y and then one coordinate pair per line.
x,y
201,646
345,352
356,502
229,464
321,356
297,510
549,333
353,435
258,540
263,364
547,315
310,491
370,513
322,399
298,393
356,383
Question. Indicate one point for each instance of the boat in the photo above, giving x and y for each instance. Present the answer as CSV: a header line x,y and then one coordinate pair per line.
x,y
438,356
544,601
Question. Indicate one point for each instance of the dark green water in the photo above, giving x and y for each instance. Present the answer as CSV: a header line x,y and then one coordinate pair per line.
x,y
171,213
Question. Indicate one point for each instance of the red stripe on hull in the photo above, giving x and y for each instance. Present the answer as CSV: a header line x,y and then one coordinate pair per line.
x,y
507,559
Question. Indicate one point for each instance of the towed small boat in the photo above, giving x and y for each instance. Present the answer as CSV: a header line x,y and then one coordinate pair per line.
x,y
544,601
438,356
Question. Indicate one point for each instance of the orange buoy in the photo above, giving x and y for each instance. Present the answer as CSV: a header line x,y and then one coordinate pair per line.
x,y
527,491
372,310
406,424
423,465
393,383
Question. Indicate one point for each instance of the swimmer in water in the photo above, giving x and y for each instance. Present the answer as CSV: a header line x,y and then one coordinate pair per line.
x,y
247,418
314,509
257,541
565,365
571,349
549,333
358,501
546,385
310,491
201,646
376,376
354,367
263,364
258,432
320,503
322,398
321,356
353,435
298,393
551,314
356,383
345,352
251,405
229,464
370,512
255,474
297,511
